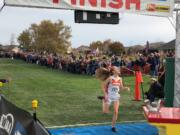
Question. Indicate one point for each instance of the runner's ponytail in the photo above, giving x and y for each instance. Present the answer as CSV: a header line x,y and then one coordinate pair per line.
x,y
102,74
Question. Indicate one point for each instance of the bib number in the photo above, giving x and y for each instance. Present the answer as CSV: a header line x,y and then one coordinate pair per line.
x,y
114,90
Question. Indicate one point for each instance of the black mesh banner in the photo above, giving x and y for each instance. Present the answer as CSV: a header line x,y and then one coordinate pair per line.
x,y
15,121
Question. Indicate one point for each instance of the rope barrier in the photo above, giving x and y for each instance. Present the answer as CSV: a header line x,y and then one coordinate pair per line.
x,y
134,71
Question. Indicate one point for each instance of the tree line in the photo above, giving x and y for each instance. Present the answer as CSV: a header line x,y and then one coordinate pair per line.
x,y
108,47
55,37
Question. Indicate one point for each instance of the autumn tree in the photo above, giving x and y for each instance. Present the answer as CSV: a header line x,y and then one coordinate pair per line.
x,y
116,48
96,44
48,36
25,40
108,47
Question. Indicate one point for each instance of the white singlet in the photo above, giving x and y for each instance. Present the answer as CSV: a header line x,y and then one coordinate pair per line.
x,y
113,89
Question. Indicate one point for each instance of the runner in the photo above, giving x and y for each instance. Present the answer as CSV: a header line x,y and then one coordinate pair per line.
x,y
111,86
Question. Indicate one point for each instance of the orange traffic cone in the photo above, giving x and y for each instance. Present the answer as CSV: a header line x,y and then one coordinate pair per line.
x,y
138,81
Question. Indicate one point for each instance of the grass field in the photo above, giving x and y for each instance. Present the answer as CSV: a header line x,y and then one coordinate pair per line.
x,y
64,98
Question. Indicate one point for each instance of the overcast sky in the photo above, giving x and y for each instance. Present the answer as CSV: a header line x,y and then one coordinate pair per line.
x,y
132,29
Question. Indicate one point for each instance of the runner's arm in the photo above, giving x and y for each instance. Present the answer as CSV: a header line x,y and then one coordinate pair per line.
x,y
122,87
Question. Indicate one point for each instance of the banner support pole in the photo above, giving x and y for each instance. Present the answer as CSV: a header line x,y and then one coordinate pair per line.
x,y
177,58
2,6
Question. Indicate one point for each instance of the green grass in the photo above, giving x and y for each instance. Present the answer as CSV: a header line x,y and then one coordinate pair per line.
x,y
64,98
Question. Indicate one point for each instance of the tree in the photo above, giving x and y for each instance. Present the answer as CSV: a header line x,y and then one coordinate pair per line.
x,y
25,40
96,44
48,36
116,48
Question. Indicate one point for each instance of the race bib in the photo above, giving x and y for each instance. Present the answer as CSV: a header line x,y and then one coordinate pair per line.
x,y
114,90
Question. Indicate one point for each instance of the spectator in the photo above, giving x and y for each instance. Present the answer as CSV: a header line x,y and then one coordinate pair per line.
x,y
153,64
155,90
116,62
157,59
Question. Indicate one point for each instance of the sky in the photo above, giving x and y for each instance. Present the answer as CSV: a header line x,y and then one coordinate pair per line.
x,y
132,30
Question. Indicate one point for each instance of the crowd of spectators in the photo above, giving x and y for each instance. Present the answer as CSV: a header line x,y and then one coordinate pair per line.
x,y
149,64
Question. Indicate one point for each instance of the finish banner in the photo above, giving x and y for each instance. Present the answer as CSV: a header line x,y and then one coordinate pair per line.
x,y
15,121
146,7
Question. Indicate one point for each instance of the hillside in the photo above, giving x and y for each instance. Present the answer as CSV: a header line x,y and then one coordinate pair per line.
x,y
157,46
64,98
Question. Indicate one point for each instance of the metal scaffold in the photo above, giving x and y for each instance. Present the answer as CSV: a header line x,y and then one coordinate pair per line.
x,y
177,56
